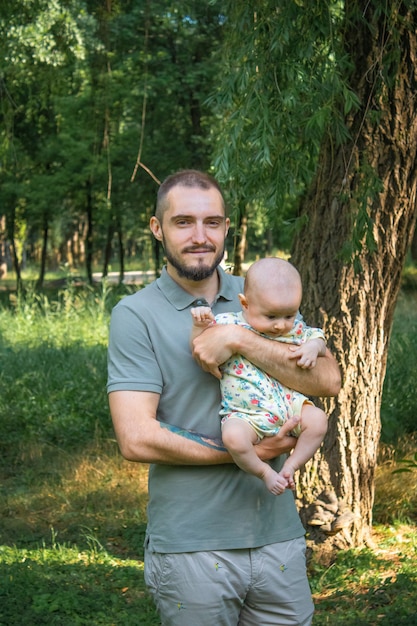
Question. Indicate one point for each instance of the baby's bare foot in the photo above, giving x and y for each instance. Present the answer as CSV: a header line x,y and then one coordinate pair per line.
x,y
275,482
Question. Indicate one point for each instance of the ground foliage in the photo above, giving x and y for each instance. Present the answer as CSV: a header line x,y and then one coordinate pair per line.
x,y
73,512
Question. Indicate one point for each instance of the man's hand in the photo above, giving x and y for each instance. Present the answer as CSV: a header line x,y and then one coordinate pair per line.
x,y
282,443
214,346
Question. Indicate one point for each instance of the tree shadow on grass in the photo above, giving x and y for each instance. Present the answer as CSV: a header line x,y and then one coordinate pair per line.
x,y
51,395
92,498
366,589
91,593
60,468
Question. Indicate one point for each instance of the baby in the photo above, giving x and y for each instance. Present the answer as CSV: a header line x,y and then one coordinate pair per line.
x,y
255,405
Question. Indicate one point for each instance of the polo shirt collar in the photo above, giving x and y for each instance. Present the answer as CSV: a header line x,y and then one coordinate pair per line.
x,y
181,299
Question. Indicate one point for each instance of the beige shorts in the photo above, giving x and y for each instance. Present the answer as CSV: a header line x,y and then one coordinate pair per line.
x,y
266,585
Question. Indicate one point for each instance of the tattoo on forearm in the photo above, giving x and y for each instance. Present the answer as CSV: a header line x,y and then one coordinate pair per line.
x,y
210,442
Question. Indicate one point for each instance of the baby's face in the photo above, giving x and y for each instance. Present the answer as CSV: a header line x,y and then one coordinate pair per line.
x,y
270,314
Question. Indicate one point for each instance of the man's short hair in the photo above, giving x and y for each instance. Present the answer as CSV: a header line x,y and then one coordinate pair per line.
x,y
184,178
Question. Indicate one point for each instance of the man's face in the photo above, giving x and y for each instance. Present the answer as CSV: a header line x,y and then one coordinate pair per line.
x,y
193,232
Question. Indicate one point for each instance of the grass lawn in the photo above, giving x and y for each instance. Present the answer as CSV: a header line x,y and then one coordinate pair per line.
x,y
72,529
73,512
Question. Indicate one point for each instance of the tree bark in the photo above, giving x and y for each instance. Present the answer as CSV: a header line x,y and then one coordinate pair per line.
x,y
240,242
11,227
3,264
44,254
108,247
89,234
371,179
119,227
413,248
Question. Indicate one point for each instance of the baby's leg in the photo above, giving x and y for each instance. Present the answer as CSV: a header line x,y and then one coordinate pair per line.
x,y
239,438
313,431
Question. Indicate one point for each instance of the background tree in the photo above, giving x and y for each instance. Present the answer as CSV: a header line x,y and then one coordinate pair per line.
x,y
334,82
41,45
275,96
89,89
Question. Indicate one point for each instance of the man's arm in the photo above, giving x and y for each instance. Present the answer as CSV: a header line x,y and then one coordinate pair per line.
x,y
142,438
219,342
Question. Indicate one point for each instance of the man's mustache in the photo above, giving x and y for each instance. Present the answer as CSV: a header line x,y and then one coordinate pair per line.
x,y
200,249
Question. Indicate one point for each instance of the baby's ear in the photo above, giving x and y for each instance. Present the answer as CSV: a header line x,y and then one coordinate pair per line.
x,y
243,300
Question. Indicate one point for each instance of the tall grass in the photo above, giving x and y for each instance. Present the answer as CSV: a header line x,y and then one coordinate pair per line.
x,y
399,400
73,512
55,428
52,379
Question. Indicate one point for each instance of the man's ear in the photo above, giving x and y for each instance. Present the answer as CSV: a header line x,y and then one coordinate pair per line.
x,y
243,300
156,228
227,226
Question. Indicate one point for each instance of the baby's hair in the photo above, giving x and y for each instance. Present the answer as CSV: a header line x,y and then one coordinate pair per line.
x,y
271,273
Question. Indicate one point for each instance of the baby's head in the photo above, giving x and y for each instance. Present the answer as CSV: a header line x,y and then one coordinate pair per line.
x,y
272,296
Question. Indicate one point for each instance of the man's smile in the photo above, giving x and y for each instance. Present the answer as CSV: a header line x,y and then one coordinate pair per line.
x,y
199,250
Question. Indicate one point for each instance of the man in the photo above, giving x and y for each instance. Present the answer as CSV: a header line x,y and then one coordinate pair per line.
x,y
220,549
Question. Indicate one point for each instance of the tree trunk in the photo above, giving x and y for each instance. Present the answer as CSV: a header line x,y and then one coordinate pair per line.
x,y
240,242
120,242
42,269
3,264
156,255
89,235
11,224
413,248
108,248
372,177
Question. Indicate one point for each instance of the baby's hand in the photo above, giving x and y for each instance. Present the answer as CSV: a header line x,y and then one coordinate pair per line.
x,y
202,316
307,353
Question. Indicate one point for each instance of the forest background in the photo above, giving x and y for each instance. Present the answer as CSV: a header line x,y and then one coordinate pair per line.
x,y
99,102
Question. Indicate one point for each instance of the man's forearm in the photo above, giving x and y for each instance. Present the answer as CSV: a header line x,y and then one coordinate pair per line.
x,y
144,439
166,444
273,357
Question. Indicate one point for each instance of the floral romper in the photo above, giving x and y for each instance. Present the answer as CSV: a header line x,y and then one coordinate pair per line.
x,y
250,394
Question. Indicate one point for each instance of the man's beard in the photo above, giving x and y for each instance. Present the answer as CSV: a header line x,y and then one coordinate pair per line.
x,y
195,273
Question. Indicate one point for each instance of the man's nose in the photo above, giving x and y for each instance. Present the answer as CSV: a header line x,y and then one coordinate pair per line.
x,y
199,233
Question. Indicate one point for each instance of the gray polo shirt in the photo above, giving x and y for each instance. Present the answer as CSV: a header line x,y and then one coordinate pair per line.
x,y
190,507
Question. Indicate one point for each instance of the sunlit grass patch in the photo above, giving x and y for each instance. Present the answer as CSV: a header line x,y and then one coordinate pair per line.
x,y
370,586
395,493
